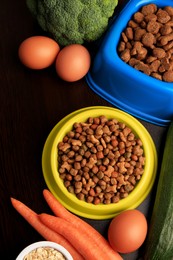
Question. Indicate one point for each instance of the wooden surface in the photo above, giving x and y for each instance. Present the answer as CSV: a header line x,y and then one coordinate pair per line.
x,y
31,103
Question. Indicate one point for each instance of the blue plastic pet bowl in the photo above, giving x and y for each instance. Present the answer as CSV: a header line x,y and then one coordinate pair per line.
x,y
123,86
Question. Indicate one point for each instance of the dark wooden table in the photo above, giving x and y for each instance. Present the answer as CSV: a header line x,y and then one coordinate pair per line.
x,y
31,103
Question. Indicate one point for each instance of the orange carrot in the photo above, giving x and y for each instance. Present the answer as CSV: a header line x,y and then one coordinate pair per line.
x,y
32,218
84,244
59,210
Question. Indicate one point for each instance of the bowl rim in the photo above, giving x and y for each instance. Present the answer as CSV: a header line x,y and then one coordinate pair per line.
x,y
100,211
38,244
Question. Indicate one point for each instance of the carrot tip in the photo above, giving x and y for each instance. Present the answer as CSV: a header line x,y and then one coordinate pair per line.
x,y
13,200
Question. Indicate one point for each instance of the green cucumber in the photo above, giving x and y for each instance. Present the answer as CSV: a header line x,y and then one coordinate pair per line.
x,y
159,240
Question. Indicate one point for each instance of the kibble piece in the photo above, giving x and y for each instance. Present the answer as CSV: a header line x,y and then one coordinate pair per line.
x,y
164,40
154,66
168,47
132,24
129,33
150,18
142,54
168,76
165,29
169,10
150,59
138,33
153,27
138,17
156,75
124,37
133,62
121,46
163,16
159,53
143,67
125,55
149,9
148,40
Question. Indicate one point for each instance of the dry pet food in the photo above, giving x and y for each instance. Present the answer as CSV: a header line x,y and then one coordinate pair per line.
x,y
100,160
147,42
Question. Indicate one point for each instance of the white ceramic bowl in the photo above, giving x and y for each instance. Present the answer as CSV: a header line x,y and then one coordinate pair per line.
x,y
39,244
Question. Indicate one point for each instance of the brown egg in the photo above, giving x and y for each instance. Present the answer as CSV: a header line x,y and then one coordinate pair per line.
x,y
38,52
127,231
73,62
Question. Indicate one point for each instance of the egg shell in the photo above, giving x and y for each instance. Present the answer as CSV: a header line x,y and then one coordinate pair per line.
x,y
73,62
38,52
127,231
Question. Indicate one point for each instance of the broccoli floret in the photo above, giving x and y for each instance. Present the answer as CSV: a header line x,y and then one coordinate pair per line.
x,y
73,21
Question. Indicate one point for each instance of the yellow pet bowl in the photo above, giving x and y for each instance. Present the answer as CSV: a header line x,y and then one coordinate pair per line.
x,y
69,200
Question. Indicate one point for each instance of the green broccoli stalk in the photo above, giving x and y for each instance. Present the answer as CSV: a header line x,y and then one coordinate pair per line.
x,y
73,21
